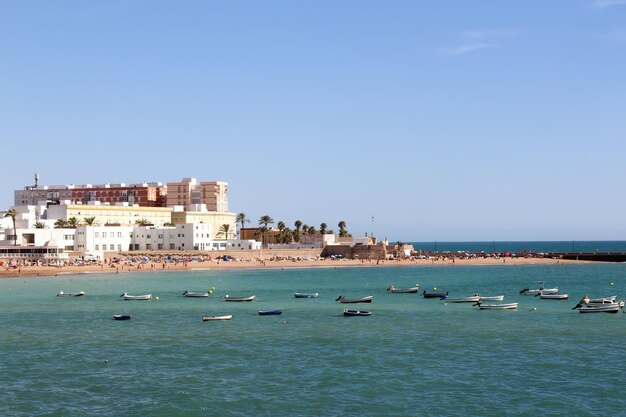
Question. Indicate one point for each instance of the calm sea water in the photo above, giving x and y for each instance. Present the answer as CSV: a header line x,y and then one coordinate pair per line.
x,y
535,247
412,357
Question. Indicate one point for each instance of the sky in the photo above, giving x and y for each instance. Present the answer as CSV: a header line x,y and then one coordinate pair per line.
x,y
442,120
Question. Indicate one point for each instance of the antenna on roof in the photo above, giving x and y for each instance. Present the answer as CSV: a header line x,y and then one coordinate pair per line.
x,y
36,178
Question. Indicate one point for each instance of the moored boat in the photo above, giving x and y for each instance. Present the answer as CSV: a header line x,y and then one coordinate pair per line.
x,y
552,296
507,306
71,294
136,297
409,290
197,294
211,318
600,308
306,294
270,312
229,298
121,317
439,295
541,289
351,313
491,298
471,299
345,300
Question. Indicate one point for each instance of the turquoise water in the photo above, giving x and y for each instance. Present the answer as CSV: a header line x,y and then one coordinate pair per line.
x,y
534,246
413,356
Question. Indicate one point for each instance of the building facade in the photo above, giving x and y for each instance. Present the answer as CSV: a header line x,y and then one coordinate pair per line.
x,y
121,214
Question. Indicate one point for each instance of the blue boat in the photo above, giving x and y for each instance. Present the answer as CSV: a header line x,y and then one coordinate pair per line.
x,y
440,295
270,312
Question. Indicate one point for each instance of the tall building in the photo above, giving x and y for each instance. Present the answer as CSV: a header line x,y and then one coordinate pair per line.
x,y
213,194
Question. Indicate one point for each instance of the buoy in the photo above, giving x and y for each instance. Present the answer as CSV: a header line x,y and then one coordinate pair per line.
x,y
435,289
157,298
612,283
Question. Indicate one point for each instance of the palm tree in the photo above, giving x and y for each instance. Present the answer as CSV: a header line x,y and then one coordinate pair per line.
x,y
263,230
40,225
285,236
265,220
225,230
323,228
281,225
143,222
90,221
298,225
305,229
60,224
168,224
311,232
72,222
342,229
241,218
12,213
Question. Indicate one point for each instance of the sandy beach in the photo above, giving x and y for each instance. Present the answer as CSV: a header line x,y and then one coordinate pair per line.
x,y
214,264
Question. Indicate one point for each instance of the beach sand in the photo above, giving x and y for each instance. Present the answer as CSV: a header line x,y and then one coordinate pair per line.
x,y
26,271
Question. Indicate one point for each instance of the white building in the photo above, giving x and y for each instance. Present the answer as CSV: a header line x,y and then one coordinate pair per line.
x,y
187,236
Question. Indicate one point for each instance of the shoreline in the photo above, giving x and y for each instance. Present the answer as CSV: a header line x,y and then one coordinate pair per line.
x,y
213,265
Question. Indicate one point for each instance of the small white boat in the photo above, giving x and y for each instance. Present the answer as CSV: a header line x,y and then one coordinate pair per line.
x,y
601,308
508,306
197,294
409,290
545,296
240,299
541,289
306,294
355,313
136,297
345,300
211,318
472,299
71,294
491,298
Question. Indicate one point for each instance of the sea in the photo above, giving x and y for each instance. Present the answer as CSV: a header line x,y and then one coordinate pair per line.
x,y
66,356
571,246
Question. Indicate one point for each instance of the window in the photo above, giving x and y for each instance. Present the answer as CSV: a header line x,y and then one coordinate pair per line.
x,y
160,236
97,247
148,246
149,236
119,248
119,234
112,247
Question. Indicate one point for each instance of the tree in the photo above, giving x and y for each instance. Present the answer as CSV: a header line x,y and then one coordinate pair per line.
x,y
72,223
40,225
143,222
225,230
263,230
168,224
342,229
298,225
305,229
266,220
281,225
90,221
12,213
242,219
60,224
323,228
285,236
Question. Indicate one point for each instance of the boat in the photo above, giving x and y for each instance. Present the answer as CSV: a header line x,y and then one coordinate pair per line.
x,y
351,313
471,299
270,312
541,289
229,298
507,306
196,294
306,294
71,294
211,318
595,301
409,290
121,317
552,296
491,297
601,308
345,300
439,295
136,297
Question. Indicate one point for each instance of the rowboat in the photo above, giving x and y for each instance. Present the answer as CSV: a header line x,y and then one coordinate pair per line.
x,y
136,297
211,318
306,294
491,298
403,290
196,294
71,294
472,299
270,312
351,313
600,308
439,295
229,298
345,300
509,306
541,289
121,317
552,296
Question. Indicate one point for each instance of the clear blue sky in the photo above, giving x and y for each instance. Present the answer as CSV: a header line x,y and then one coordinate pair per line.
x,y
446,120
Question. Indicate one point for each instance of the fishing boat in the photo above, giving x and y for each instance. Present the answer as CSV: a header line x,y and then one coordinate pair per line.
x,y
410,290
552,296
471,299
211,318
306,294
270,312
491,298
241,299
345,300
508,306
121,317
136,297
541,289
71,294
595,301
439,295
600,308
196,294
351,313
